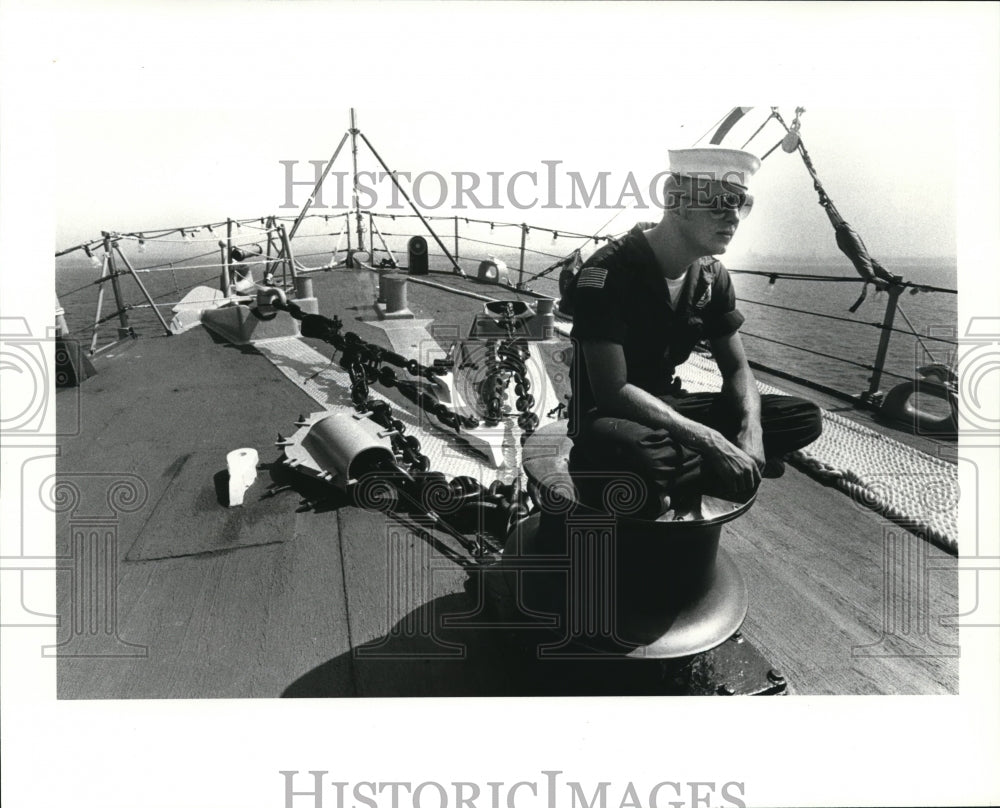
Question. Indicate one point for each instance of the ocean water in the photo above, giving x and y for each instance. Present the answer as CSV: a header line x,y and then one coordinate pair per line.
x,y
782,329
781,318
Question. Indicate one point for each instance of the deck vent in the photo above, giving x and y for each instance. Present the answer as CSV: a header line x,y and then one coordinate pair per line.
x,y
416,247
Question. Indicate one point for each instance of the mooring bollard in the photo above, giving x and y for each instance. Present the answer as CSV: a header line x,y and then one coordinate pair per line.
x,y
303,286
391,301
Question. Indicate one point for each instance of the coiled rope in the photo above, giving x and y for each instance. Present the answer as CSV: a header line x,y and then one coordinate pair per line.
x,y
910,487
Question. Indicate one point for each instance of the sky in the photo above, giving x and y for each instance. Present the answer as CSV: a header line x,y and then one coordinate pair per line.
x,y
129,115
889,169
157,120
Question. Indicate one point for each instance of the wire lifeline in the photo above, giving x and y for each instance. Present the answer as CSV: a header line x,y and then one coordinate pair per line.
x,y
157,235
836,317
512,247
875,324
494,223
861,365
799,276
565,260
174,265
795,276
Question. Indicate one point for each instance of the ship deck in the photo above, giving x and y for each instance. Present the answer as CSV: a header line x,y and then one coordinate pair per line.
x,y
299,594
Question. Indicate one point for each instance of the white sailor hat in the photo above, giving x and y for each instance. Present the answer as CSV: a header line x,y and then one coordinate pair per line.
x,y
714,163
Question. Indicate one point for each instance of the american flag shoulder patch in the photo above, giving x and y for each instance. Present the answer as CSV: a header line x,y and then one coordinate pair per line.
x,y
592,277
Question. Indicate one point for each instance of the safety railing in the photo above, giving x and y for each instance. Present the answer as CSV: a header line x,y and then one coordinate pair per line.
x,y
378,239
163,266
886,327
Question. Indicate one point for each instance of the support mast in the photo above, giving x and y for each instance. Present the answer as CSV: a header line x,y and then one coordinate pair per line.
x,y
354,158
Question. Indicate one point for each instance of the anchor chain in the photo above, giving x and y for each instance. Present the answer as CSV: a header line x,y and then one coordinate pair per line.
x,y
366,364
496,508
506,363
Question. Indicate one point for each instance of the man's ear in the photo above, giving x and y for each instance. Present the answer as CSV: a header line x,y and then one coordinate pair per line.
x,y
681,209
675,199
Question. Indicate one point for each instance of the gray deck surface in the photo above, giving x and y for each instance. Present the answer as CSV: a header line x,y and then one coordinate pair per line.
x,y
330,600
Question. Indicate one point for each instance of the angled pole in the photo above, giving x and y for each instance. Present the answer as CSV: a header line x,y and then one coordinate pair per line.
x,y
392,176
124,328
895,290
105,269
385,245
271,227
316,187
354,184
520,263
227,277
286,247
142,288
224,285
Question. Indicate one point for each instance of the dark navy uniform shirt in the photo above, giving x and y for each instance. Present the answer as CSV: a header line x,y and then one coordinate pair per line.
x,y
621,296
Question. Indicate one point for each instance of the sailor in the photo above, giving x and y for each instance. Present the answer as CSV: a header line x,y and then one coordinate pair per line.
x,y
640,305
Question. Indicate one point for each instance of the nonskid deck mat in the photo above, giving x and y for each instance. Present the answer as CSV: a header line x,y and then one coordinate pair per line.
x,y
901,483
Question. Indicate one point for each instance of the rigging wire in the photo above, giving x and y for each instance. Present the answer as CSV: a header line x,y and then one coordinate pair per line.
x,y
913,331
768,152
760,128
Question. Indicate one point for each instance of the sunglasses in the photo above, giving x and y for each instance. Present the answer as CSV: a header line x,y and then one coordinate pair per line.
x,y
720,204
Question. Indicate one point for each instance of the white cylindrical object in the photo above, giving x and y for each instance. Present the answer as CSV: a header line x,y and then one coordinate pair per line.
x,y
242,466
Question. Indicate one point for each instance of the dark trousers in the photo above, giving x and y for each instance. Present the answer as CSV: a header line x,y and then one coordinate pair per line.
x,y
611,450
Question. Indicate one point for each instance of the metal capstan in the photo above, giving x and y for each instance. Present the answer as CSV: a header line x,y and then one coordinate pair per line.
x,y
659,602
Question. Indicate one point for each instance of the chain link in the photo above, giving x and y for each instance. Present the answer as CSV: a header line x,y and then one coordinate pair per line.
x,y
500,506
